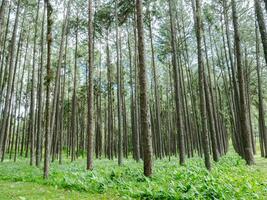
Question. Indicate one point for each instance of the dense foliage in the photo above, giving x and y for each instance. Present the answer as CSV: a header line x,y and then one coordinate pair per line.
x,y
230,179
93,92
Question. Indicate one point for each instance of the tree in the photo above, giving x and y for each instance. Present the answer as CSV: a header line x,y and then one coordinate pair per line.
x,y
156,90
265,2
49,38
32,106
2,13
40,95
74,97
90,123
10,85
262,26
201,77
262,127
145,126
119,103
180,127
246,139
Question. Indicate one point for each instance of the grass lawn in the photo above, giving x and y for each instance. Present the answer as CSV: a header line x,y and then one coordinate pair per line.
x,y
229,179
261,164
33,191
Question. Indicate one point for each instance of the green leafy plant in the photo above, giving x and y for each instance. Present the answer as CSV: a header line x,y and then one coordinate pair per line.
x,y
229,179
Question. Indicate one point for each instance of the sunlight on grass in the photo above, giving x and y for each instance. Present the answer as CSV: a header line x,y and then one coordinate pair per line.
x,y
229,179
34,191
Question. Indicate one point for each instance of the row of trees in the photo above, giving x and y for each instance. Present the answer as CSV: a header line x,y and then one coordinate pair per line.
x,y
119,79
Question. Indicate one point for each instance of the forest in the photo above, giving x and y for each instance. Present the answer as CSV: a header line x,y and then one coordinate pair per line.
x,y
133,99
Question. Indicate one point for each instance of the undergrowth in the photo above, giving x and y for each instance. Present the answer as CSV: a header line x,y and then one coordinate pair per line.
x,y
230,178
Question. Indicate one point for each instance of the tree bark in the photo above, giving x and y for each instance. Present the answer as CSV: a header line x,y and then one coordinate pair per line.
x,y
145,124
119,105
180,127
156,95
9,92
49,11
40,97
201,74
262,127
262,26
90,123
246,139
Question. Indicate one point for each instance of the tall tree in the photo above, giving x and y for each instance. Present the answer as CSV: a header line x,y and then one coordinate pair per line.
x,y
40,94
74,97
90,123
119,102
32,106
145,124
156,90
49,38
262,27
201,82
246,139
2,13
180,126
10,82
262,127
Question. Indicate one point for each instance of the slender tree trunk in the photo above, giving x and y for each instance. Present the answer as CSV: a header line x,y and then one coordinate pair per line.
x,y
145,125
246,139
74,101
157,101
48,80
3,53
262,26
14,109
9,92
59,63
32,106
210,106
262,127
2,14
136,91
119,104
20,101
180,127
40,97
90,123
201,74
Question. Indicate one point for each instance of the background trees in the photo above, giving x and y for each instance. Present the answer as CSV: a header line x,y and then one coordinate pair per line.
x,y
124,78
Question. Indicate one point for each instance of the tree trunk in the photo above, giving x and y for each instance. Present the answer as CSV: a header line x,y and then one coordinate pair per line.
x,y
9,92
262,26
32,106
74,98
48,80
145,125
180,128
201,74
262,127
157,100
40,97
2,14
119,104
90,123
246,139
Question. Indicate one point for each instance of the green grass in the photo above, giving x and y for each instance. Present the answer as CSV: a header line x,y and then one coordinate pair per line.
x,y
33,191
230,179
261,164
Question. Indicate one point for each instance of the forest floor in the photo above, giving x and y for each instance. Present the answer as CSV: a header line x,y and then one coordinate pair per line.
x,y
261,164
230,178
33,191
